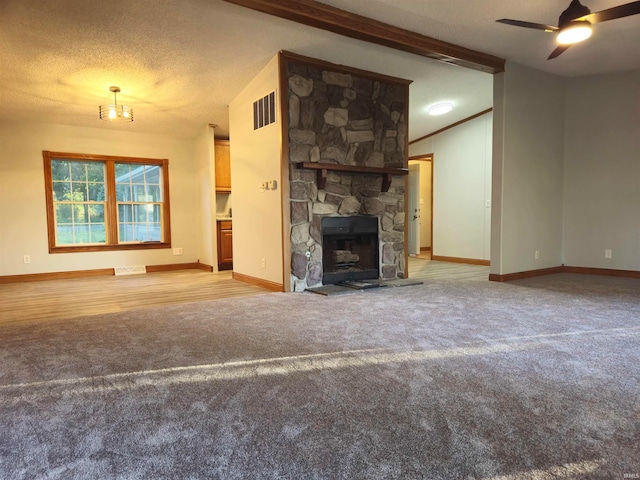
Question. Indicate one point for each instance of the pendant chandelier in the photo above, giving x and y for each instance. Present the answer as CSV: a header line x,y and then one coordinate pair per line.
x,y
115,111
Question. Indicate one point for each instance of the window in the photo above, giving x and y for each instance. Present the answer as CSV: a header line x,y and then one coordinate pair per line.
x,y
97,202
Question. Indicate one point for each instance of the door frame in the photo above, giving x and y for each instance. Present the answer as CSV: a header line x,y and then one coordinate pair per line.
x,y
427,157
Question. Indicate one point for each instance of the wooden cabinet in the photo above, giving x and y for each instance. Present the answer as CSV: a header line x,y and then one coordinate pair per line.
x,y
223,166
225,245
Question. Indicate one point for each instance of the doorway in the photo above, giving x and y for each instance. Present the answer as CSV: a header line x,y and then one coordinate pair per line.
x,y
420,208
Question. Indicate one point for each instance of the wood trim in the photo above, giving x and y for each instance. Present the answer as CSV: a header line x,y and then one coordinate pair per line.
x,y
494,277
601,271
425,249
259,282
112,213
172,266
406,186
448,127
110,200
427,157
326,17
204,267
166,204
323,168
325,65
470,261
39,277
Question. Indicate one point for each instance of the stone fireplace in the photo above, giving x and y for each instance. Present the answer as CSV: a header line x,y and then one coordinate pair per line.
x,y
347,158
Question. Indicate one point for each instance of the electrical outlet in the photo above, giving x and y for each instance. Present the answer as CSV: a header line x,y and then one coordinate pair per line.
x,y
177,251
27,259
536,255
487,203
264,263
607,253
272,184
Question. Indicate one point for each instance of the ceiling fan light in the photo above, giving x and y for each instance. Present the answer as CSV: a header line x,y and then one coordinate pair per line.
x,y
440,108
574,32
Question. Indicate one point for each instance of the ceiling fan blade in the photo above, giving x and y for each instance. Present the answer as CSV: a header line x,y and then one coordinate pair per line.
x,y
537,26
620,11
558,51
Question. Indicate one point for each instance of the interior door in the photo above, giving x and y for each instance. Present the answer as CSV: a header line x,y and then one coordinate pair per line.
x,y
414,209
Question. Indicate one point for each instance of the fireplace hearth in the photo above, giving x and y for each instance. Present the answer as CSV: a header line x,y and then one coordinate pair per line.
x,y
350,249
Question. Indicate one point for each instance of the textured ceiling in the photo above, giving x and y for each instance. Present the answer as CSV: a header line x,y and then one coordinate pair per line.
x,y
179,63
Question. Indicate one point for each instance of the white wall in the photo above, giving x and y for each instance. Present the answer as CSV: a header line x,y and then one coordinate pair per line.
x,y
204,156
256,158
461,187
23,222
528,170
602,171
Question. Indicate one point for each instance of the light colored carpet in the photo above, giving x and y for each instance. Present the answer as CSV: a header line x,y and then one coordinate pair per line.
x,y
536,379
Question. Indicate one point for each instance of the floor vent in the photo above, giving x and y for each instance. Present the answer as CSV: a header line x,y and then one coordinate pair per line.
x,y
134,270
264,111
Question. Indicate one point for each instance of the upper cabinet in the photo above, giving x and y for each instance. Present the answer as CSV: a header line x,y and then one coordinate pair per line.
x,y
223,166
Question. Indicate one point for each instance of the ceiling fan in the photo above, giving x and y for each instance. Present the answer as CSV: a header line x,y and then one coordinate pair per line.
x,y
574,25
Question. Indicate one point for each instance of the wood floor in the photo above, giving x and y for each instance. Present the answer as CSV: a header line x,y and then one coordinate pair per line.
x,y
48,300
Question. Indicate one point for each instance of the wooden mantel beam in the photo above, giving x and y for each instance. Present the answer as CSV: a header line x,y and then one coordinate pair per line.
x,y
326,17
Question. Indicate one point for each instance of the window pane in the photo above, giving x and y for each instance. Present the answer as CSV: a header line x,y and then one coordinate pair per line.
x,y
123,192
61,191
81,232
156,214
125,233
60,170
153,193
152,174
95,172
64,213
98,233
96,192
140,213
79,192
81,213
64,234
139,194
96,213
155,232
125,213
78,171
122,172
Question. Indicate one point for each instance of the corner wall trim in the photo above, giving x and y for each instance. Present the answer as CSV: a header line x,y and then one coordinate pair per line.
x,y
258,282
470,261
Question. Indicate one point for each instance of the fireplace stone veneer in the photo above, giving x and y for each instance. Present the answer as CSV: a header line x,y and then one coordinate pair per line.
x,y
343,116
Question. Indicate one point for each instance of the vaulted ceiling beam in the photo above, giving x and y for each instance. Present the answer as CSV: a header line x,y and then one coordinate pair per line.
x,y
326,17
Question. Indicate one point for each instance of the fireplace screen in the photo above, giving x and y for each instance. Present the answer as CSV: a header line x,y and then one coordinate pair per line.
x,y
349,249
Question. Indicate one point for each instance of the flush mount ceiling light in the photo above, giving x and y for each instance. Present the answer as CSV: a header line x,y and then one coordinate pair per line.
x,y
440,108
115,111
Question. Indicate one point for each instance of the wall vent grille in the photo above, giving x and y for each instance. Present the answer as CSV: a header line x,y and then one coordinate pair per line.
x,y
133,270
264,111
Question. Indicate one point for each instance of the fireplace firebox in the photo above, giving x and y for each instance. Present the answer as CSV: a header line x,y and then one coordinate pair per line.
x,y
349,249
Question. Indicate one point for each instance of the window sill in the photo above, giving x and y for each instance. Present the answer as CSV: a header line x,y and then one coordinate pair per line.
x,y
104,248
